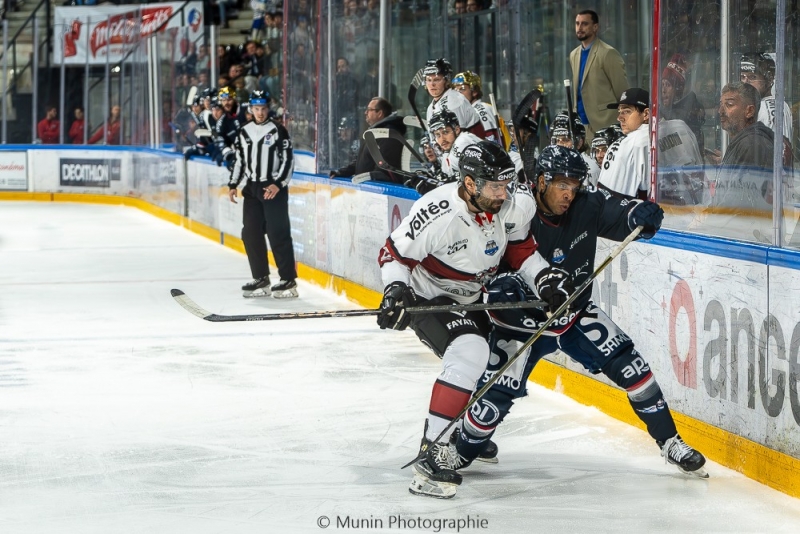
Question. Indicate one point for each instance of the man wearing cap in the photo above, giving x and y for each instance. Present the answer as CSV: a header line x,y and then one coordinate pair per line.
x,y
626,167
598,74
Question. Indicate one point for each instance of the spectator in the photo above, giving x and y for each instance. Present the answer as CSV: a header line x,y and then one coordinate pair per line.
x,y
474,6
259,8
675,105
224,60
203,65
111,131
379,114
346,90
49,127
459,7
76,130
598,74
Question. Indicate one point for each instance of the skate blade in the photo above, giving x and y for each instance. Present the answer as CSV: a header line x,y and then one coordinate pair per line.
x,y
427,488
257,294
285,294
697,473
488,460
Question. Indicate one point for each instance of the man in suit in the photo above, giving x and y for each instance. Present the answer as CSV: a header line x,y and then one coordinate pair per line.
x,y
598,75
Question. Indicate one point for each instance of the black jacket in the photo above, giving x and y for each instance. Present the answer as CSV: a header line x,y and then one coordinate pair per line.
x,y
391,150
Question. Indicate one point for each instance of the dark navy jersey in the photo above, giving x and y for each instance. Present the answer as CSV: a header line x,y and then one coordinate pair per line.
x,y
569,241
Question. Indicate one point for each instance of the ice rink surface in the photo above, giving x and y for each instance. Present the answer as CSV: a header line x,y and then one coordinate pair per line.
x,y
121,412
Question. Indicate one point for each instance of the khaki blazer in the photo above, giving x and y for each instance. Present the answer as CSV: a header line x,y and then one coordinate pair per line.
x,y
604,80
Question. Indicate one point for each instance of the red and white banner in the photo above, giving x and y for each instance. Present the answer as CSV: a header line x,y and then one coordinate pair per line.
x,y
13,171
107,33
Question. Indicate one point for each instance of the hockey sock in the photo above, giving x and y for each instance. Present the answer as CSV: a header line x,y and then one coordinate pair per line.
x,y
470,445
654,412
447,400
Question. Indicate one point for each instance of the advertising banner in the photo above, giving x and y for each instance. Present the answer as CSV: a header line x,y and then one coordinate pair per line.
x,y
85,172
90,34
13,171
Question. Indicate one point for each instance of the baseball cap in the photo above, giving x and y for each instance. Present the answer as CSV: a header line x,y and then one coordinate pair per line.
x,y
633,97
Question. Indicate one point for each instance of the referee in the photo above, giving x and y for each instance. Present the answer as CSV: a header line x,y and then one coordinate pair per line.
x,y
264,157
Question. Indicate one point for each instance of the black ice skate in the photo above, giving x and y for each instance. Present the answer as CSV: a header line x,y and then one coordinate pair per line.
x,y
489,454
285,289
257,288
436,473
685,458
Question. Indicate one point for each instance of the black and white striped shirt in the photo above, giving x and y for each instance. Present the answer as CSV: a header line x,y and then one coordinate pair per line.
x,y
263,154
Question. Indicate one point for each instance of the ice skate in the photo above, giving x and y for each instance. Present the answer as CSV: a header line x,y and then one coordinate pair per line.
x,y
259,287
489,454
685,458
435,474
285,289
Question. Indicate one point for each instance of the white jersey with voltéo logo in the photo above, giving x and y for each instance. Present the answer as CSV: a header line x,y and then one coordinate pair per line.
x,y
626,166
441,248
454,101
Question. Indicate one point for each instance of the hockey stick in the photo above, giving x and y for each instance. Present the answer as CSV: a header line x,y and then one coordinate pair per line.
x,y
500,135
568,87
524,348
419,79
377,157
397,136
193,308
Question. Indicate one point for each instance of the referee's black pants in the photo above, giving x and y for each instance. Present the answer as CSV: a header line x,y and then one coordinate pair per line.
x,y
270,217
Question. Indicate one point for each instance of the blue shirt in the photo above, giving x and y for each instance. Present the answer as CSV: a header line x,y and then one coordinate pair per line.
x,y
581,110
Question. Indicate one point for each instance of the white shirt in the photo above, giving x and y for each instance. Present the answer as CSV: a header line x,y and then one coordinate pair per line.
x,y
677,145
458,104
626,166
594,168
441,248
766,116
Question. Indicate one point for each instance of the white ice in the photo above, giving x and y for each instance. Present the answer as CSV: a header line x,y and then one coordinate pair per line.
x,y
121,412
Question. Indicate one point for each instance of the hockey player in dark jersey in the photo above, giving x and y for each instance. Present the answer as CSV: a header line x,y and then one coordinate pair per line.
x,y
569,219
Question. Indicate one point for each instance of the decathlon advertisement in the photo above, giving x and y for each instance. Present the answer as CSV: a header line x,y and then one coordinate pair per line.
x,y
108,33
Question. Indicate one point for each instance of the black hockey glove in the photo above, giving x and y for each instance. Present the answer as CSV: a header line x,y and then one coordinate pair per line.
x,y
554,286
396,298
507,287
647,214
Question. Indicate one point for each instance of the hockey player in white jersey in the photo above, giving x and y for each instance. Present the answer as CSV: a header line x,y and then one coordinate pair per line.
x,y
604,138
680,165
443,252
469,84
758,70
561,135
626,167
452,141
438,73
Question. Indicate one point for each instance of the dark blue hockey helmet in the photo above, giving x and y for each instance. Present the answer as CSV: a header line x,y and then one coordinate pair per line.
x,y
557,160
259,98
